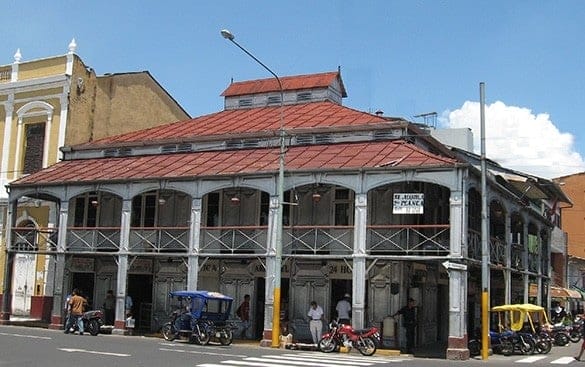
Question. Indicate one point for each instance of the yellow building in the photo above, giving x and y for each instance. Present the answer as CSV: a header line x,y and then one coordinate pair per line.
x,y
49,103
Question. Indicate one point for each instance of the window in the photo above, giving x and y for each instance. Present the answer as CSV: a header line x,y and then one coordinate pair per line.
x,y
144,210
264,208
343,207
273,99
86,210
304,96
212,209
34,145
245,102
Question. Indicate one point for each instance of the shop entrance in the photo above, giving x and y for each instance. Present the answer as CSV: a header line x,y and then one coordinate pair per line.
x,y
140,290
339,287
85,283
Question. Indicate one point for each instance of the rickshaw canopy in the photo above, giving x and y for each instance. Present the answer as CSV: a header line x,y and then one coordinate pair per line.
x,y
213,306
520,313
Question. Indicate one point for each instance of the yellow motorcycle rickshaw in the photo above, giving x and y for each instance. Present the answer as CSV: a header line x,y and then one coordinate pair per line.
x,y
521,327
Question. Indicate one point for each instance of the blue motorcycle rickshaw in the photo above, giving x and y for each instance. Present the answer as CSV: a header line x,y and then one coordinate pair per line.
x,y
200,317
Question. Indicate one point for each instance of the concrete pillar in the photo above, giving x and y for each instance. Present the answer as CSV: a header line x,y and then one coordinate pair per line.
x,y
457,344
359,261
58,287
194,245
270,271
120,318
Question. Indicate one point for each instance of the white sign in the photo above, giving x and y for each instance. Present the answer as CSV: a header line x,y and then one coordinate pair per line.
x,y
408,203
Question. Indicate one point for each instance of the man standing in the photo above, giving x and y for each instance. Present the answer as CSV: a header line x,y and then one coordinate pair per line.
x,y
408,314
110,307
315,321
343,309
77,304
243,312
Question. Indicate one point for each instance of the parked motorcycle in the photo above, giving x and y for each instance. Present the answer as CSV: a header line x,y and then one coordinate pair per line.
x,y
364,340
92,322
576,330
559,334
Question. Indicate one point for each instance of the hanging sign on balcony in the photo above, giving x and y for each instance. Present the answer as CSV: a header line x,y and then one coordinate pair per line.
x,y
408,203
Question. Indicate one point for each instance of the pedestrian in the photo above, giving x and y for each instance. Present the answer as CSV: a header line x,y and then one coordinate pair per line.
x,y
109,307
582,329
66,311
558,314
77,304
343,309
128,305
408,314
243,312
315,315
183,321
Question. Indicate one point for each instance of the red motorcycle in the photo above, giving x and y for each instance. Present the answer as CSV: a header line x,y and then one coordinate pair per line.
x,y
364,340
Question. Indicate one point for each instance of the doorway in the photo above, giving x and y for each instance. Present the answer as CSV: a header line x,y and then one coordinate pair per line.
x,y
339,287
140,290
84,282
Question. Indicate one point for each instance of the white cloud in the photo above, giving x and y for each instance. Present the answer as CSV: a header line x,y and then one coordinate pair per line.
x,y
518,139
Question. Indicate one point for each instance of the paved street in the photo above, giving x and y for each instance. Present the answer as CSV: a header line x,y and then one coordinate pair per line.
x,y
31,347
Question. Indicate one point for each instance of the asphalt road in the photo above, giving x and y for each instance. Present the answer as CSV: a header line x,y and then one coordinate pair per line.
x,y
31,347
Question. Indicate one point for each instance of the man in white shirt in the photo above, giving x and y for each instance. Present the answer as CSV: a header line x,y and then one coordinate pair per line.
x,y
315,321
343,309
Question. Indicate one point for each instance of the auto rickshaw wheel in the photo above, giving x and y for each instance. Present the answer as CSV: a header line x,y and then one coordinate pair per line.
x,y
168,332
227,337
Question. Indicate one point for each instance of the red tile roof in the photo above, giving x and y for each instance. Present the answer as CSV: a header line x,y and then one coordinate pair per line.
x,y
372,154
249,121
320,80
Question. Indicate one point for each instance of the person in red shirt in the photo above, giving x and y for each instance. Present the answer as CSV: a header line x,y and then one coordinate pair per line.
x,y
243,312
77,305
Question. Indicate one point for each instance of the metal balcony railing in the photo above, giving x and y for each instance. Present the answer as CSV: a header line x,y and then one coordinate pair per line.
x,y
158,239
30,239
233,240
88,239
318,240
430,240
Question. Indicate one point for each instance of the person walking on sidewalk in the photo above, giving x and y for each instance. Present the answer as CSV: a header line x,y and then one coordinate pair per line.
x,y
77,304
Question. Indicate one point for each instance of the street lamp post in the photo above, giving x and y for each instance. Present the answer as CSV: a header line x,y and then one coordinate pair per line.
x,y
280,189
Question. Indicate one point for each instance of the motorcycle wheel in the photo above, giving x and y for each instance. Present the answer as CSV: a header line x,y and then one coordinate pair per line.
x,y
474,347
575,336
543,346
168,332
93,327
227,337
527,346
506,347
561,339
327,345
366,346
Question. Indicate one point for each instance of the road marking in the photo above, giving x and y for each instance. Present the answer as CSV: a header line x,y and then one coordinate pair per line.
x,y
309,361
267,362
563,360
200,352
72,350
530,359
27,336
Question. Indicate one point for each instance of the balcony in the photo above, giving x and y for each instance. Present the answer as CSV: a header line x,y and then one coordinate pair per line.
x,y
414,240
318,240
233,240
89,239
31,239
158,239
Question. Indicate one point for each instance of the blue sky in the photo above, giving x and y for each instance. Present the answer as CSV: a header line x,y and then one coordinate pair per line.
x,y
403,57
